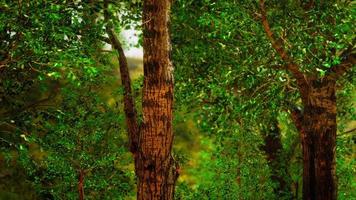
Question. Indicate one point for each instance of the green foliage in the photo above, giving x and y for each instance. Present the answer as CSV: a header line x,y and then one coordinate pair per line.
x,y
81,132
345,167
61,105
86,138
56,115
228,73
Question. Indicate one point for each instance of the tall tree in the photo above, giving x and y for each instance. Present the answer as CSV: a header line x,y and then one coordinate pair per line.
x,y
156,168
310,44
317,122
151,141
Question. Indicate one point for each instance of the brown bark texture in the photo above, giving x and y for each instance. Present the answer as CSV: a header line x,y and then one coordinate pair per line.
x,y
155,166
319,141
317,122
151,142
317,129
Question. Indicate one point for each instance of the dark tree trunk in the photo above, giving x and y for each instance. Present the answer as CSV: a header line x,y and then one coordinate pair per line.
x,y
317,123
277,162
81,185
319,141
155,165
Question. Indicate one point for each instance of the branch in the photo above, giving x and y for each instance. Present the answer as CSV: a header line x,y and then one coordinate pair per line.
x,y
348,61
8,142
105,39
349,131
13,127
35,104
129,103
8,58
278,46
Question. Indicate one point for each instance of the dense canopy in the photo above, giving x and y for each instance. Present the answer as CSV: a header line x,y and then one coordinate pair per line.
x,y
249,99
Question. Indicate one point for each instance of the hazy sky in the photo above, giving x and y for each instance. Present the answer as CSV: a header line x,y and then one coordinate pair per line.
x,y
131,37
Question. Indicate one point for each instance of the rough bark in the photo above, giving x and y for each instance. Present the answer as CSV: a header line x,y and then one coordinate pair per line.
x,y
317,128
155,165
319,141
278,164
151,143
317,123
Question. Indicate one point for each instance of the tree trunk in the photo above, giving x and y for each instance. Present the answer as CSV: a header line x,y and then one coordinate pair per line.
x,y
81,184
318,122
277,162
319,141
155,165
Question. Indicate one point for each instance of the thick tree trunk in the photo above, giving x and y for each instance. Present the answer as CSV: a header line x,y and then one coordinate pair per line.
x,y
317,125
155,165
319,141
277,162
151,143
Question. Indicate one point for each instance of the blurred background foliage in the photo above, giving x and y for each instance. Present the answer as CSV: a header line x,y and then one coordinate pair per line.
x,y
61,111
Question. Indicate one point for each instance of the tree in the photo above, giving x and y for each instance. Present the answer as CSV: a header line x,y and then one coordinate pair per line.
x,y
312,45
55,127
234,101
157,169
317,122
151,141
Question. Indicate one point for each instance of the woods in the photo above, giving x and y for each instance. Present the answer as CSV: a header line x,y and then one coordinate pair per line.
x,y
229,99
317,122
